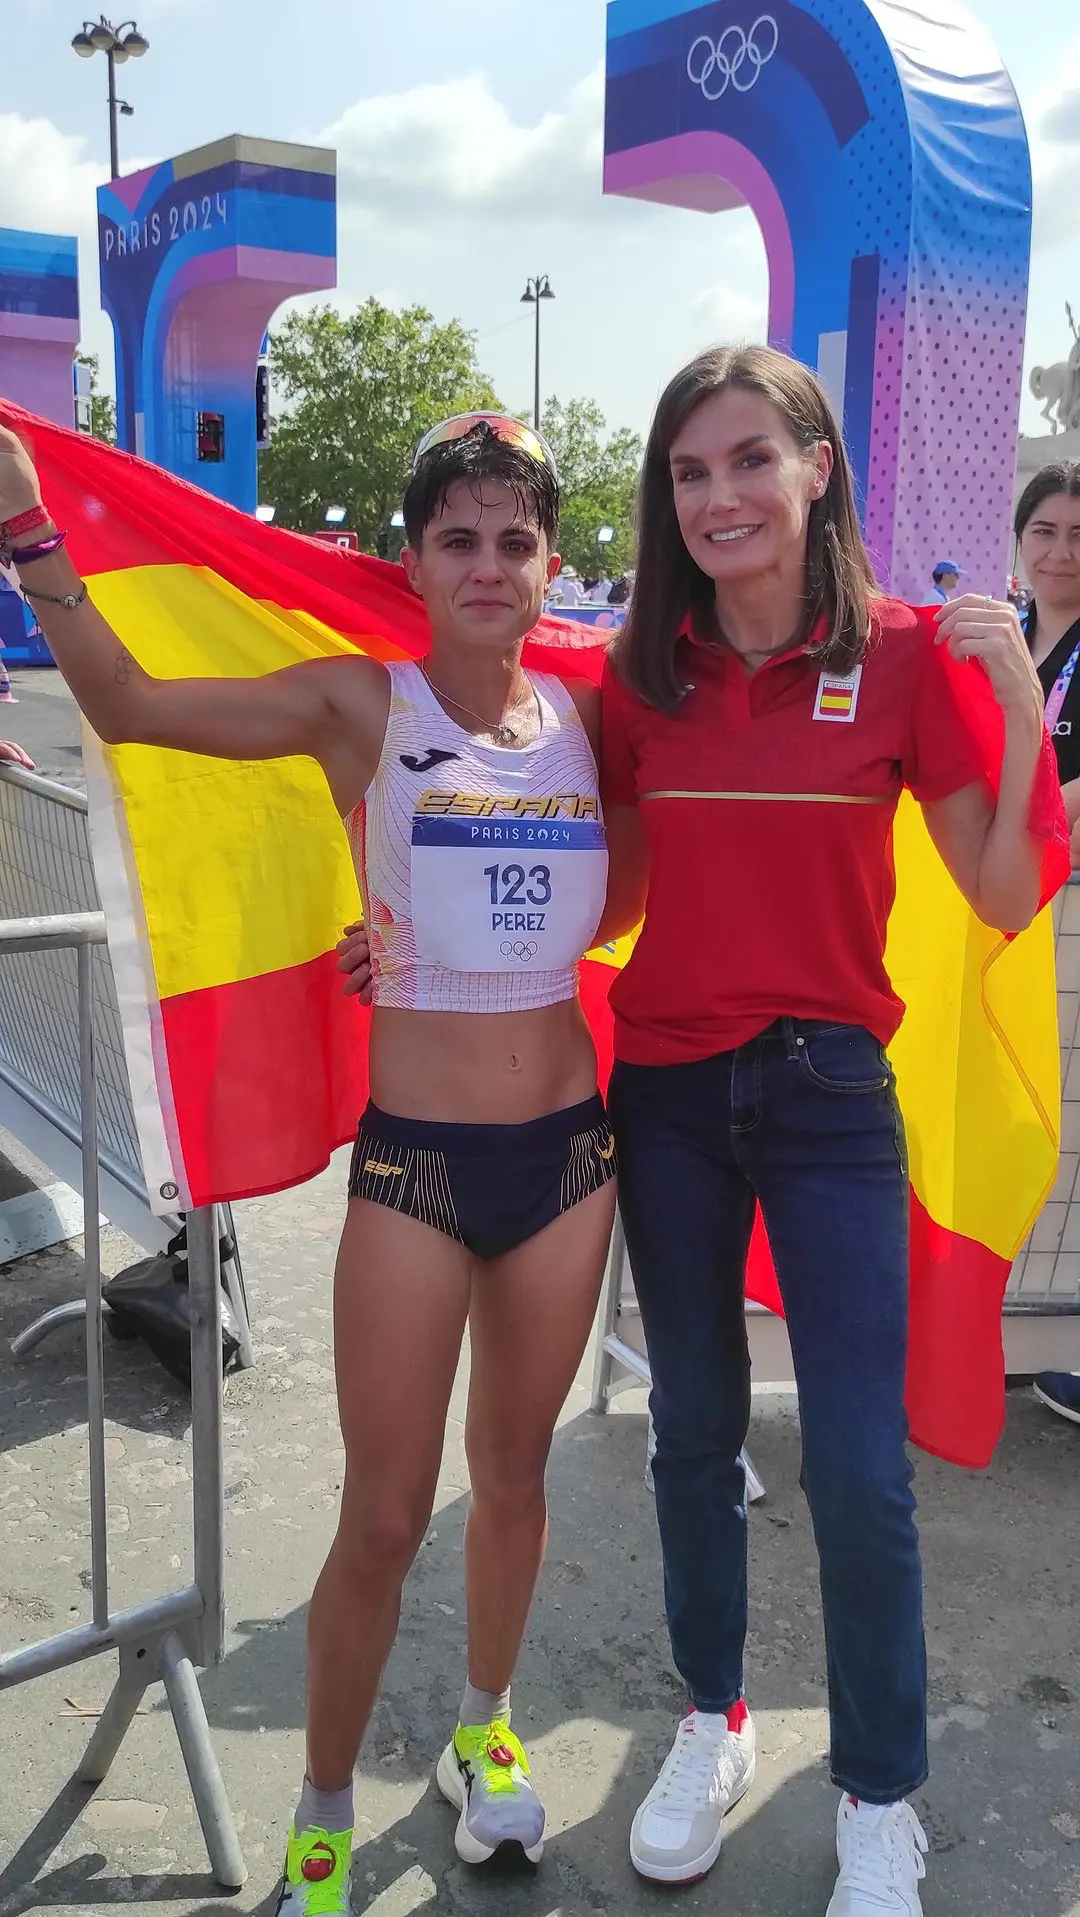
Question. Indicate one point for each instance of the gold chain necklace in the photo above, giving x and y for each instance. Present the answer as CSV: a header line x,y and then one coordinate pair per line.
x,y
502,734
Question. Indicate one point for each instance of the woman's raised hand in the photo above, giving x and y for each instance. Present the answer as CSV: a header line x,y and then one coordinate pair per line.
x,y
976,627
19,489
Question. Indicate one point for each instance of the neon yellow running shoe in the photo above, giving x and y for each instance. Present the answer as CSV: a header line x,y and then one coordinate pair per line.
x,y
484,1773
318,1867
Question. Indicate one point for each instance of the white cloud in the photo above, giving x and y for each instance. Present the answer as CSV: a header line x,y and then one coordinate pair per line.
x,y
1055,153
1062,122
453,150
732,315
46,183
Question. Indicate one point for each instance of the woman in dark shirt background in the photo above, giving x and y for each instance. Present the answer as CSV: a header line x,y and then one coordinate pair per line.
x,y
1048,533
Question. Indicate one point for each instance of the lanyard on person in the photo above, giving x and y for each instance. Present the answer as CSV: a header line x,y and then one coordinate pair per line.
x,y
1061,687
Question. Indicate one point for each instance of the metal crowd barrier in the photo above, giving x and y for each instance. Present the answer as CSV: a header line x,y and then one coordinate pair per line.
x,y
1042,1305
165,1638
1042,1310
46,868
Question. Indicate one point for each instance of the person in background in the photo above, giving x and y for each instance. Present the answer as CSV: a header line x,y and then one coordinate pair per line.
x,y
946,579
565,590
1048,537
620,590
601,591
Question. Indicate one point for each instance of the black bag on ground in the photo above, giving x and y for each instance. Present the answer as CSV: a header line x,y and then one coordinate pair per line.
x,y
150,1301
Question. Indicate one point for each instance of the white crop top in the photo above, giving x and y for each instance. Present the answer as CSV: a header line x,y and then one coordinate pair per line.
x,y
483,869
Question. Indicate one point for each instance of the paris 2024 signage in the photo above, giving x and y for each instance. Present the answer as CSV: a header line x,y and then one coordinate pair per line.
x,y
883,152
196,256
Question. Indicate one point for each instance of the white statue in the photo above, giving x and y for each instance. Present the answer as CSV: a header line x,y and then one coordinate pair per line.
x,y
1058,387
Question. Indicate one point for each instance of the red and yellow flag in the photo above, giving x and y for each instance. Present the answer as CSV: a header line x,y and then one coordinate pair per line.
x,y
226,886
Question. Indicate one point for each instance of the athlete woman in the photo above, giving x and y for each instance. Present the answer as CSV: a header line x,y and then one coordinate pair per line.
x,y
481,1187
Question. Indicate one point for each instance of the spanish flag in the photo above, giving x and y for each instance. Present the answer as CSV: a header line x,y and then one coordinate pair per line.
x,y
226,886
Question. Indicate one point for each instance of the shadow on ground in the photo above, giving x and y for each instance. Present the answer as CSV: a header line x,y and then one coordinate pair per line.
x,y
596,1697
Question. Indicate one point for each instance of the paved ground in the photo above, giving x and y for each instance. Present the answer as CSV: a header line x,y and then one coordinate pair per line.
x,y
45,722
596,1698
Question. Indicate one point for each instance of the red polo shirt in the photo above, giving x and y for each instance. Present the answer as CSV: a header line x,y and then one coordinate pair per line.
x,y
768,803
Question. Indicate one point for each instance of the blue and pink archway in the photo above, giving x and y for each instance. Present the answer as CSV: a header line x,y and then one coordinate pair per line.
x,y
196,255
883,152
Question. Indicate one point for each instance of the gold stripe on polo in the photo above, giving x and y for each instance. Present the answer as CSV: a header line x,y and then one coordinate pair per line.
x,y
779,798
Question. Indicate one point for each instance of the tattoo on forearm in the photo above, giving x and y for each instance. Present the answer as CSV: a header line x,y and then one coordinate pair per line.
x,y
125,667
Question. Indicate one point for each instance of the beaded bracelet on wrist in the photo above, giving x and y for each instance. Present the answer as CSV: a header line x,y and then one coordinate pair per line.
x,y
68,599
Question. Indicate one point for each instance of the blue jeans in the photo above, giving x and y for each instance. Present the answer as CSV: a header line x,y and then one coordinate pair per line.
x,y
804,1119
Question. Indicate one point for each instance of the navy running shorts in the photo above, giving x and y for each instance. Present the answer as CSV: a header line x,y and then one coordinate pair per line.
x,y
490,1187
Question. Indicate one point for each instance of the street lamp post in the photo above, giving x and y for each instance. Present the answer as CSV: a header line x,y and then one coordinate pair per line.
x,y
536,290
118,44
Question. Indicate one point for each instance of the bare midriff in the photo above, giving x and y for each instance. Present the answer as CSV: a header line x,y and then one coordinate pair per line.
x,y
468,1068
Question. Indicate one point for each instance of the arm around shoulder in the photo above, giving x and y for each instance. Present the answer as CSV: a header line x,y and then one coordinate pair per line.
x,y
628,873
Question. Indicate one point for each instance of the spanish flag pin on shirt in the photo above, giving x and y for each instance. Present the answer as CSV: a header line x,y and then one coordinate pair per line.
x,y
838,698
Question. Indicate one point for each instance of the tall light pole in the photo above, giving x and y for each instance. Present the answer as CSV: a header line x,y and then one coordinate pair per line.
x,y
118,44
536,290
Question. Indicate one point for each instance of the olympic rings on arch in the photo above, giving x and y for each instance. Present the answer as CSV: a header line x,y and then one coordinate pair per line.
x,y
735,59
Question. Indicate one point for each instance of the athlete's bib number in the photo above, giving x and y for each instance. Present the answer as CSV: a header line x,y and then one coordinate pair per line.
x,y
494,897
513,887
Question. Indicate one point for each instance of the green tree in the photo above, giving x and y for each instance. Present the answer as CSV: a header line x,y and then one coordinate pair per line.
x,y
102,405
599,474
361,389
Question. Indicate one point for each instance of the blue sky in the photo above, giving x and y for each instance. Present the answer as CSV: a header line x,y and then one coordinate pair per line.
x,y
417,96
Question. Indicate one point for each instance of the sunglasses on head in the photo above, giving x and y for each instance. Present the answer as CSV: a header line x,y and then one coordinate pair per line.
x,y
513,432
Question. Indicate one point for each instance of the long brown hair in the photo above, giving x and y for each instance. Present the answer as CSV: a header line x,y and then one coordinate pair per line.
x,y
839,580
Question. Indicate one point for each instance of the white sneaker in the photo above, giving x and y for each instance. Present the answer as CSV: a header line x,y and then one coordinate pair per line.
x,y
678,1831
881,1849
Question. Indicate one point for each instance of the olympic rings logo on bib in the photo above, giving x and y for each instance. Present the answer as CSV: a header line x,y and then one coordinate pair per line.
x,y
734,60
520,954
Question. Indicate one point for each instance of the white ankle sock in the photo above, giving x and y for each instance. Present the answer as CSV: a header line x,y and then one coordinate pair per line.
x,y
483,1707
331,1811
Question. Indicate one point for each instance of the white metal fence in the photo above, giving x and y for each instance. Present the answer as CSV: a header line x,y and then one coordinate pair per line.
x,y
64,1093
166,1637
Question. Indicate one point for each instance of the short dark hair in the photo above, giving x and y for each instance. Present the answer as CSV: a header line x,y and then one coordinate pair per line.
x,y
840,582
478,455
1063,476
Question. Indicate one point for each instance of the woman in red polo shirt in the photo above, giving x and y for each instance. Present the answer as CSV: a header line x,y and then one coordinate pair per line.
x,y
763,710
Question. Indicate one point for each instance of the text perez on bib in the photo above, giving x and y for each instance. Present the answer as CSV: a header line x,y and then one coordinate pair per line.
x,y
500,881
